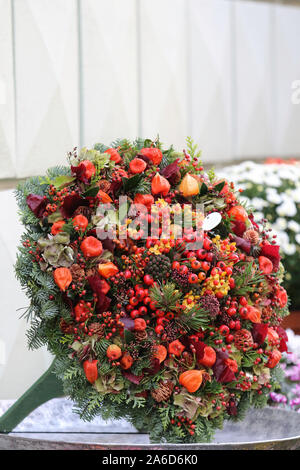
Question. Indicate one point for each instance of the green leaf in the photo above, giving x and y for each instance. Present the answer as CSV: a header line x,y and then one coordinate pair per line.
x,y
148,143
91,191
220,186
130,183
203,189
129,336
59,182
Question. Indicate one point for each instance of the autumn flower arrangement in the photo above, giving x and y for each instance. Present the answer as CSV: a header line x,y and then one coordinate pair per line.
x,y
174,333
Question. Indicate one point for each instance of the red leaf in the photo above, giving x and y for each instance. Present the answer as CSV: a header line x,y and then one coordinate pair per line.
x,y
71,203
37,204
259,332
222,371
271,252
243,244
135,379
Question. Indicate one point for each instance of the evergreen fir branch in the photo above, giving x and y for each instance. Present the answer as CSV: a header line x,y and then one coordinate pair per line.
x,y
242,406
101,348
169,156
136,402
192,149
277,376
35,336
165,416
74,371
194,319
143,187
165,296
212,388
204,430
248,279
100,147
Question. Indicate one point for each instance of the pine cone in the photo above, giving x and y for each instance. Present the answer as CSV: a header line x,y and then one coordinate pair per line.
x,y
120,292
77,273
163,391
83,210
243,339
141,335
97,329
158,266
67,328
91,272
104,185
252,236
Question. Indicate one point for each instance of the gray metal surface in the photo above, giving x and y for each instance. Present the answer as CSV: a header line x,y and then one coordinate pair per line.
x,y
265,429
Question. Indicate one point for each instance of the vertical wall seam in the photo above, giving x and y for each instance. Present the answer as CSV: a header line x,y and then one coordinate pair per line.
x,y
233,90
139,68
14,63
188,53
80,75
273,77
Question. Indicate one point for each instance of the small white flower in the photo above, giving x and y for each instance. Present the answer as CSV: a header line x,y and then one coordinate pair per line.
x,y
297,238
273,180
259,203
289,249
295,194
258,216
283,238
293,225
287,208
280,224
273,196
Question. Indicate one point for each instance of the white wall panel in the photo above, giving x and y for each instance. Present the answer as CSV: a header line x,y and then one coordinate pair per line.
x,y
109,70
7,116
47,82
287,71
164,70
210,77
254,80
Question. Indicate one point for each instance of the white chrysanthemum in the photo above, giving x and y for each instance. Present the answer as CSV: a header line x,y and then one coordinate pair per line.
x,y
259,203
283,238
289,249
297,238
273,196
287,209
273,180
258,216
280,224
295,194
293,225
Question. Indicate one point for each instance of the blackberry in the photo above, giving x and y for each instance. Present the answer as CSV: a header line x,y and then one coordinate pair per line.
x,y
158,266
224,319
211,304
181,279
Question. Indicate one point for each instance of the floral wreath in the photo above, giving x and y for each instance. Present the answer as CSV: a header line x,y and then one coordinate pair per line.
x,y
173,338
